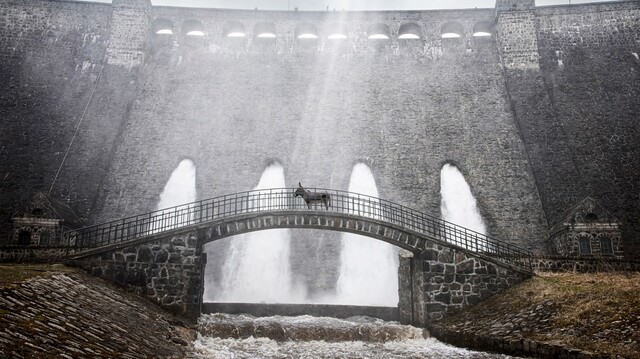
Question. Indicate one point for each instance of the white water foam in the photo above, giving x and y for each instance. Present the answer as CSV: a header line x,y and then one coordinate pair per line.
x,y
368,267
458,204
179,190
256,268
410,346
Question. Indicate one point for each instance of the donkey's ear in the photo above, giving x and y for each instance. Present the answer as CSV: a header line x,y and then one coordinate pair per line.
x,y
299,184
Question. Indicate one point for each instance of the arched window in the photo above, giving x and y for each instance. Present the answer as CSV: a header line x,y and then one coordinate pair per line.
x,y
264,30
24,238
584,245
451,30
163,38
483,29
37,212
162,27
306,37
193,28
591,218
379,32
410,31
337,32
193,34
606,246
264,37
306,32
234,29
45,238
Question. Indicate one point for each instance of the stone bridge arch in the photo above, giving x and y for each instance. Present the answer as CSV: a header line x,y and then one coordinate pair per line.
x,y
366,226
160,254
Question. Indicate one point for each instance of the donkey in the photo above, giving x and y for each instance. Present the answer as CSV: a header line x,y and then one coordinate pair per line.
x,y
312,197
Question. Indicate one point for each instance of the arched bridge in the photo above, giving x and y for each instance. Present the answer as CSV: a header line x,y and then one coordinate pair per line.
x,y
257,210
160,254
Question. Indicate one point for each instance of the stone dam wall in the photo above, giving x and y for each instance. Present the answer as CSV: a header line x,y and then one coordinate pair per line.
x,y
98,109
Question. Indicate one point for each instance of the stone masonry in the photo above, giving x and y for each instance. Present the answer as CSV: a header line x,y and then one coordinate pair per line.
x,y
167,271
446,280
437,279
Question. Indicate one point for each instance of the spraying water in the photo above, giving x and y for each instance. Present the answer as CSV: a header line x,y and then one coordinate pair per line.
x,y
458,204
181,186
256,268
368,267
180,189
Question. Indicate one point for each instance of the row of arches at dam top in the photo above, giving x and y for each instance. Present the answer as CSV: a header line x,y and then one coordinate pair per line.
x,y
307,31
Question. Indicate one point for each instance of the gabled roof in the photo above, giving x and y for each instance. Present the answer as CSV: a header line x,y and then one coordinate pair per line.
x,y
44,206
587,211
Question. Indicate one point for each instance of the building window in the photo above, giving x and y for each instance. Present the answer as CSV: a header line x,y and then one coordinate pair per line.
x,y
606,248
591,218
24,238
585,246
45,238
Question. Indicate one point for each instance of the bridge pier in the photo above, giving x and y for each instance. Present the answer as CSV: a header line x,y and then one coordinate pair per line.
x,y
168,271
442,280
440,277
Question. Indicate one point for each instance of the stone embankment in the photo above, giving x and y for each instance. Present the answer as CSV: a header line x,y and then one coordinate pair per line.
x,y
63,313
554,316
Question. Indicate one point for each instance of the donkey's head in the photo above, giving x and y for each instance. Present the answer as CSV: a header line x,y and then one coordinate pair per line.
x,y
300,191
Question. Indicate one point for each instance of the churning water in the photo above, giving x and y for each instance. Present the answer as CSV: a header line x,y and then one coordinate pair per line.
x,y
257,267
240,336
368,267
458,204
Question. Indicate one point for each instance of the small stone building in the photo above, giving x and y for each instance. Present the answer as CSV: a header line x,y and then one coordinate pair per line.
x,y
586,230
42,223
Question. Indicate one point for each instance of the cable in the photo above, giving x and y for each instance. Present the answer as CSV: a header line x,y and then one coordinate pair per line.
x,y
95,85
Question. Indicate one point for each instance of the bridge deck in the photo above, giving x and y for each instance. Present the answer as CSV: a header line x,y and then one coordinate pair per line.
x,y
147,227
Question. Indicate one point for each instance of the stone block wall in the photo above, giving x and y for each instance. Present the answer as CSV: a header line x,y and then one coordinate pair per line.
x,y
446,280
318,113
50,56
129,32
584,265
576,104
537,117
517,40
167,271
35,254
592,77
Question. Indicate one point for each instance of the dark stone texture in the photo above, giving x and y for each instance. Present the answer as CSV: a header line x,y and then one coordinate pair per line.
x,y
151,117
174,285
585,264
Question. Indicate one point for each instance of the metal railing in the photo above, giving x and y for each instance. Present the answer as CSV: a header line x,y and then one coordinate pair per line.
x,y
282,199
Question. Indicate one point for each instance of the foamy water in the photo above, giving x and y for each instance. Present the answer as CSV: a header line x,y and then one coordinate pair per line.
x,y
414,346
257,268
368,267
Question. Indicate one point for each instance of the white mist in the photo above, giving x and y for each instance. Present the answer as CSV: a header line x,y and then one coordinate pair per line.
x,y
180,189
181,186
368,267
256,268
458,204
